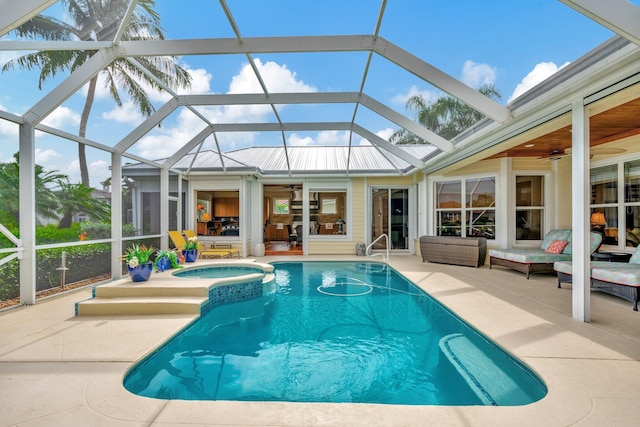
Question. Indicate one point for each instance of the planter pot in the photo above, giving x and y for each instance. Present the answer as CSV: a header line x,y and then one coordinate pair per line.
x,y
163,264
141,273
190,255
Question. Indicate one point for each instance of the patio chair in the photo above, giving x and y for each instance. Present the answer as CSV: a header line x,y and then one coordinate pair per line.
x,y
179,242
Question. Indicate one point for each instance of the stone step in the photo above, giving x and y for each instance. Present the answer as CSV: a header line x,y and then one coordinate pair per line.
x,y
140,306
151,289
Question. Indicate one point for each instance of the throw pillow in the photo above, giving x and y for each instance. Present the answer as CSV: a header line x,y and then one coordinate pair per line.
x,y
556,246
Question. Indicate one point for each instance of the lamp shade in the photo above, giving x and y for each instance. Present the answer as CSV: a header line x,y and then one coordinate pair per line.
x,y
597,218
206,217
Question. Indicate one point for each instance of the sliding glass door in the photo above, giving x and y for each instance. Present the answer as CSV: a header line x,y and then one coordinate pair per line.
x,y
390,216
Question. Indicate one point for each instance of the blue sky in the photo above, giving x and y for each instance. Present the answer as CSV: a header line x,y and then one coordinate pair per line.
x,y
511,44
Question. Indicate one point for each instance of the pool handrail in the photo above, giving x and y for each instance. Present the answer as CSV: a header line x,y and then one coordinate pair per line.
x,y
368,251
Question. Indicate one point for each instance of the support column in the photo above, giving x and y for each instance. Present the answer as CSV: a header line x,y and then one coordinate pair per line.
x,y
116,215
505,221
164,207
580,186
27,206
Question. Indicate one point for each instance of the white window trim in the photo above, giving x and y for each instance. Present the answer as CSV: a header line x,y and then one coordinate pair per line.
x,y
327,186
549,217
432,212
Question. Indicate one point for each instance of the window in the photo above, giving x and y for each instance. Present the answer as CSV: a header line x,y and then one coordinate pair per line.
x,y
476,211
327,212
604,203
280,206
529,207
329,206
218,212
617,198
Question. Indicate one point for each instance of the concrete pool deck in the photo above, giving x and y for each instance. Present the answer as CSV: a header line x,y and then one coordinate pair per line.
x,y
60,370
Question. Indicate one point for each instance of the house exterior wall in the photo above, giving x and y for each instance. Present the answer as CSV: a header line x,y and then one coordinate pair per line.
x,y
360,221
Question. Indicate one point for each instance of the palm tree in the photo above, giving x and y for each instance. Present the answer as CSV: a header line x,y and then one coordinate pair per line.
x,y
446,116
75,198
46,185
99,20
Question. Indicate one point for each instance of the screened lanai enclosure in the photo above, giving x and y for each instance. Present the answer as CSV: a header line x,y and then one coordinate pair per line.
x,y
323,126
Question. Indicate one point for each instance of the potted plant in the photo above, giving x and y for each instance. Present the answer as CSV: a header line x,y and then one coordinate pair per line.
x,y
166,259
138,262
190,250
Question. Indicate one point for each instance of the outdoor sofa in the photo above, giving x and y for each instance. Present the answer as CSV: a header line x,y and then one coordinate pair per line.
x,y
621,279
538,260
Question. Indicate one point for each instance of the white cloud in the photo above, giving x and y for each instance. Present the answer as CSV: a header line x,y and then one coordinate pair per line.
x,y
296,140
476,75
7,128
333,137
61,117
98,172
539,73
128,113
384,134
46,157
6,56
200,81
428,95
277,78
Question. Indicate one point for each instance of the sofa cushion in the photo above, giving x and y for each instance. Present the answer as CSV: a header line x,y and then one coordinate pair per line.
x,y
498,253
556,247
529,256
635,258
626,274
555,235
595,239
566,266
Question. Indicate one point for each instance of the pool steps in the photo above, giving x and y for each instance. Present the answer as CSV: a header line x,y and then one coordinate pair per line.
x,y
485,376
165,293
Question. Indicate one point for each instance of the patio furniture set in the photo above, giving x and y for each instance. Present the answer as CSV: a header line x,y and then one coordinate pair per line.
x,y
611,272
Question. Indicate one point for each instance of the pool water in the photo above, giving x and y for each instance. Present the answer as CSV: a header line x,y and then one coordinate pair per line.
x,y
335,332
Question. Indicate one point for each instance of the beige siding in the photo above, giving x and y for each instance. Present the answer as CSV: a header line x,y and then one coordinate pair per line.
x,y
483,166
532,164
391,180
563,185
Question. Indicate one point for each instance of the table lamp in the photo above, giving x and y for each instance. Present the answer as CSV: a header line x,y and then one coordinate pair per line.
x,y
598,222
340,222
597,218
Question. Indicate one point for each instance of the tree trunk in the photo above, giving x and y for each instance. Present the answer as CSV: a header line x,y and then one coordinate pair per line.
x,y
82,157
65,221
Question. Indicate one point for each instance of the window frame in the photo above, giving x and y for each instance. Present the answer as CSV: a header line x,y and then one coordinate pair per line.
x,y
465,211
330,187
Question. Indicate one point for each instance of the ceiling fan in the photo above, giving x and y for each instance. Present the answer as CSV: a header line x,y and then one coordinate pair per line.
x,y
557,154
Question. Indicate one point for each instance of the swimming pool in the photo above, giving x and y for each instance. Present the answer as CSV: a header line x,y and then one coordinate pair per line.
x,y
335,332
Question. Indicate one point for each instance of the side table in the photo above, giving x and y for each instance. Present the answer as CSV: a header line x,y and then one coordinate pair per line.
x,y
611,256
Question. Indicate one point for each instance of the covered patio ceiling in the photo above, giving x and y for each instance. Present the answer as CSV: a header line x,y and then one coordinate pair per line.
x,y
359,111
